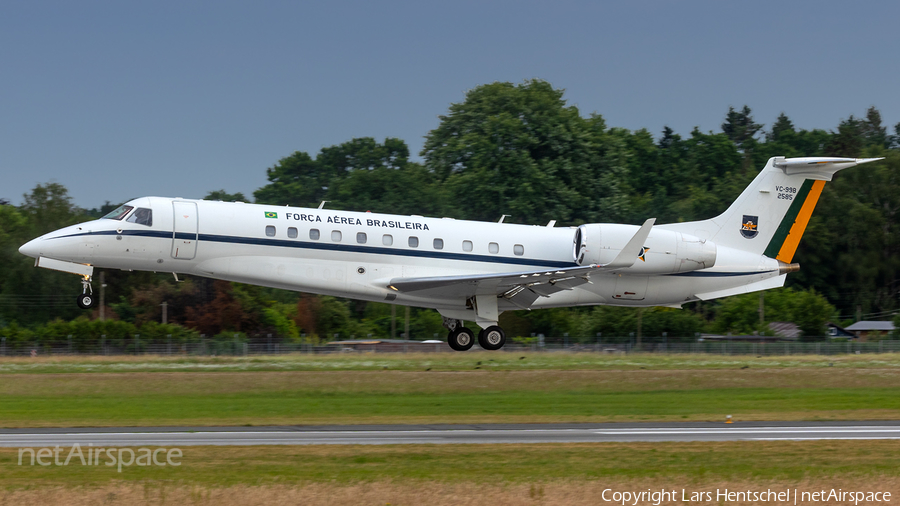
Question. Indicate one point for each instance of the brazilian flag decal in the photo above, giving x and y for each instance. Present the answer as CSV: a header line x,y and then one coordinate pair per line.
x,y
270,214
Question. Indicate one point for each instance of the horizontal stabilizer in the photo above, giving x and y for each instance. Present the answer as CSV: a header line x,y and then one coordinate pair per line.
x,y
819,167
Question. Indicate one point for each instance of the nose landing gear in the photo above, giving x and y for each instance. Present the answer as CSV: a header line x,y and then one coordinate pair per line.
x,y
86,299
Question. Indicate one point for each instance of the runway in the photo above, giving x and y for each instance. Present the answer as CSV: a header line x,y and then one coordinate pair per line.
x,y
449,434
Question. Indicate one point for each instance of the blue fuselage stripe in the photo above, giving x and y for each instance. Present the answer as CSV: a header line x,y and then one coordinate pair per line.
x,y
350,248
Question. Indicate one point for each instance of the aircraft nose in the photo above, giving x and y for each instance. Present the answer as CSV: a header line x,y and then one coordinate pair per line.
x,y
31,248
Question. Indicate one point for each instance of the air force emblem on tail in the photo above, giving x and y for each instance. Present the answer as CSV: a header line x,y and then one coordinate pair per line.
x,y
750,226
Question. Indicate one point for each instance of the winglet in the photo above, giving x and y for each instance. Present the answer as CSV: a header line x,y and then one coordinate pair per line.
x,y
629,254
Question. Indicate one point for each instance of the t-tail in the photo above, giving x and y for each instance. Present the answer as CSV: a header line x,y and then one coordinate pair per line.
x,y
770,216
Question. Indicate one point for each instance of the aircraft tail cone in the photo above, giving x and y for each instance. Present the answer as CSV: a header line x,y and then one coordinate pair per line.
x,y
784,268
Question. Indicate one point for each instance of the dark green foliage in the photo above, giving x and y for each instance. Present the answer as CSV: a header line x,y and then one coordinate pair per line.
x,y
359,175
618,324
295,180
740,127
29,295
521,150
808,309
225,196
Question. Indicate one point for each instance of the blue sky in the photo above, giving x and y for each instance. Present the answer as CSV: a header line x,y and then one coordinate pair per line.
x,y
122,99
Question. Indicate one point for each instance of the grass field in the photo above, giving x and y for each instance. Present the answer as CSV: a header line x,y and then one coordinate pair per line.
x,y
457,474
362,389
495,361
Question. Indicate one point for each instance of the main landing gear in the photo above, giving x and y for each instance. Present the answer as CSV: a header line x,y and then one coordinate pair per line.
x,y
86,299
492,338
461,338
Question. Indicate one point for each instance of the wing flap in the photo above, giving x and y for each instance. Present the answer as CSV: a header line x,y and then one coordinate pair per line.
x,y
520,296
502,280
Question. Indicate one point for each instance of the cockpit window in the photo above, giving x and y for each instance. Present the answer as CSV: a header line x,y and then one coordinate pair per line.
x,y
119,213
142,216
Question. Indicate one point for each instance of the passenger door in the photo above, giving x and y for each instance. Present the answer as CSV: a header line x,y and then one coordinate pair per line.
x,y
185,230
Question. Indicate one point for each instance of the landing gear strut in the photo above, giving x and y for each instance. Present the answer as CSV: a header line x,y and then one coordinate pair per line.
x,y
86,300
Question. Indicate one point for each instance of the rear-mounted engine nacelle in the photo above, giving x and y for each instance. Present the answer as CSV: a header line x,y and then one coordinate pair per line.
x,y
664,251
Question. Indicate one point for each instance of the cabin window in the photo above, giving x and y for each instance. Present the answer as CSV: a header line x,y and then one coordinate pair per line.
x,y
467,245
438,244
387,239
519,250
361,237
292,232
142,216
413,242
314,234
119,213
494,247
270,230
336,235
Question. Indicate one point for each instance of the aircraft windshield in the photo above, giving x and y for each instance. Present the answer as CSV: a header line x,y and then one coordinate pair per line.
x,y
142,216
119,213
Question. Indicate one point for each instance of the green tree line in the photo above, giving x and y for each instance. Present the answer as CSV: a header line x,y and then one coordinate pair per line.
x,y
523,151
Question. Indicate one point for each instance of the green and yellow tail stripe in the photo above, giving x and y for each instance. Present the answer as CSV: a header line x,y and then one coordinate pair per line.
x,y
787,237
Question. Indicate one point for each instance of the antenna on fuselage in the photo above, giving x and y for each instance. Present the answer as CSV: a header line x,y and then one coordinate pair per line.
x,y
551,224
504,217
322,205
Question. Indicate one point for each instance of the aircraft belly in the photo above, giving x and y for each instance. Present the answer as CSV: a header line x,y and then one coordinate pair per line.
x,y
299,274
631,287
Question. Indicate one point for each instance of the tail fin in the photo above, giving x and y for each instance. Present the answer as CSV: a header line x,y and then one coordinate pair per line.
x,y
770,216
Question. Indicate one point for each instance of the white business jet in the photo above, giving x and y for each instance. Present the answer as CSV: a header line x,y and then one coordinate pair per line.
x,y
468,271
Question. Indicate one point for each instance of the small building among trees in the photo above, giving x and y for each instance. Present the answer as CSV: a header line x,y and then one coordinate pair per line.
x,y
872,330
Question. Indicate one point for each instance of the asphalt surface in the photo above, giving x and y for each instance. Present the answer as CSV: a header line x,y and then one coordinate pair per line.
x,y
443,434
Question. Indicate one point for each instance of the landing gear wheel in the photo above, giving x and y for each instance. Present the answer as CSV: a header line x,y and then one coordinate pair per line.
x,y
492,338
461,339
86,301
